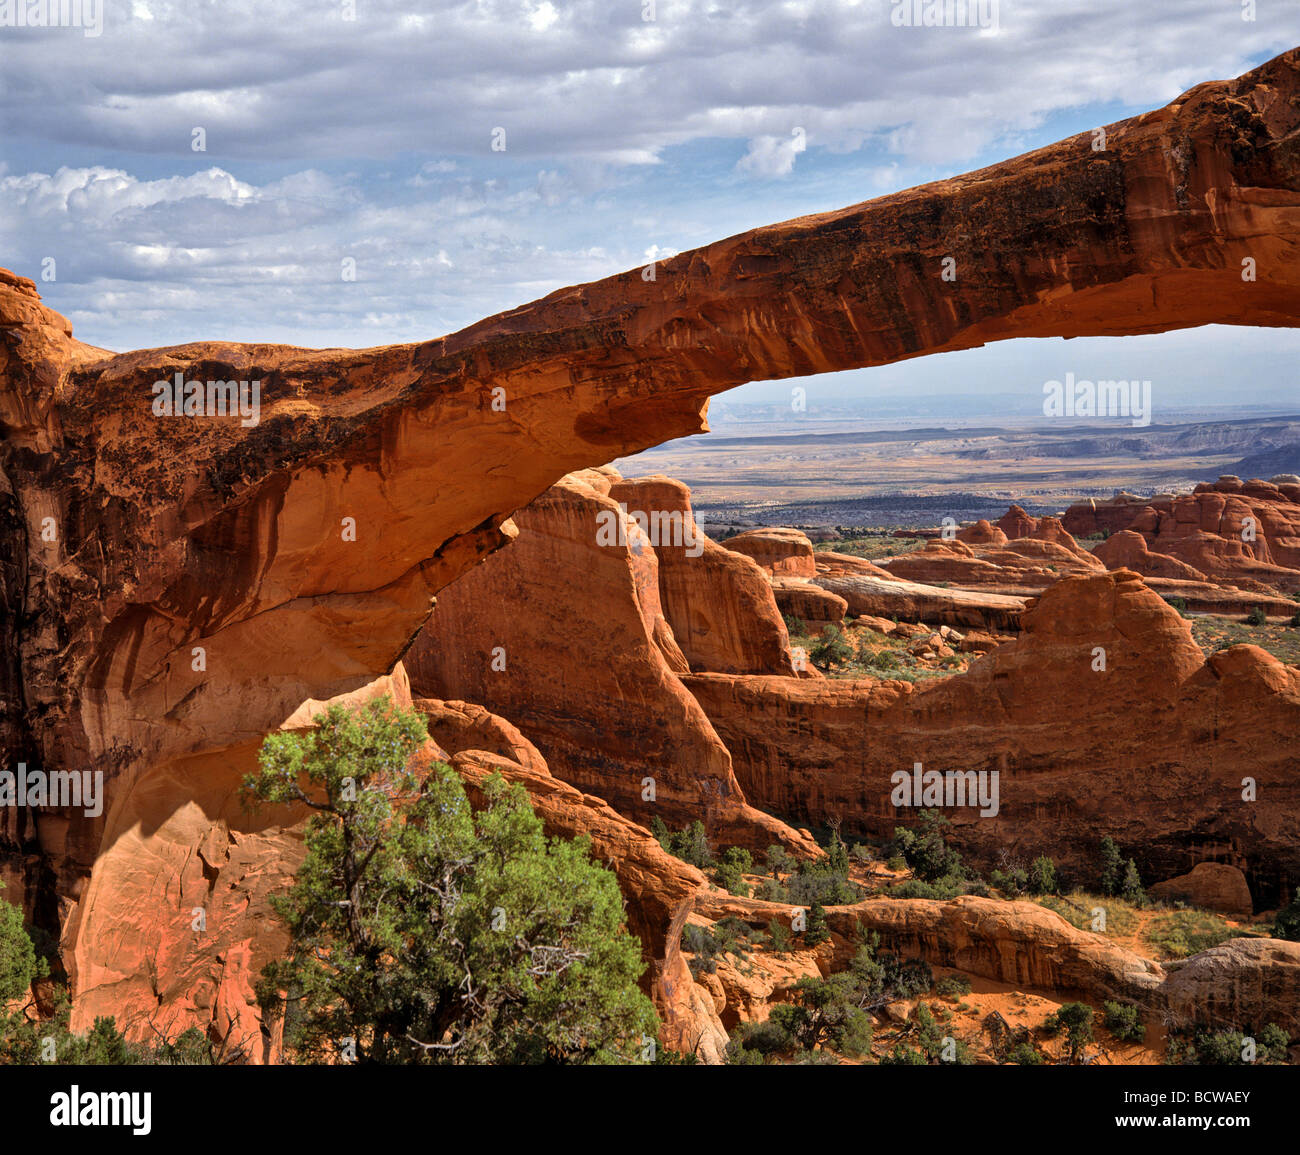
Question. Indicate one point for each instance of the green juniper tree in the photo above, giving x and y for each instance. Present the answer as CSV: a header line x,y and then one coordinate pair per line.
x,y
1131,888
18,963
1112,867
424,931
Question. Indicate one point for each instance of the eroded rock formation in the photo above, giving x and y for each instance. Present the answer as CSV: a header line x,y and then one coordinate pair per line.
x,y
1242,534
1102,717
176,587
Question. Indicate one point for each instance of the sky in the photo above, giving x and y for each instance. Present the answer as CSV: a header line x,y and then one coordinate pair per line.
x,y
469,157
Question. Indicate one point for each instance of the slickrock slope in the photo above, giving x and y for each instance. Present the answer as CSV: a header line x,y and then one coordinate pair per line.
x,y
176,587
912,601
565,637
1023,567
1152,749
1237,533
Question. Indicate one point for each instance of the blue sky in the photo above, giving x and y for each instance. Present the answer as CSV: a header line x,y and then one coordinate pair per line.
x,y
330,138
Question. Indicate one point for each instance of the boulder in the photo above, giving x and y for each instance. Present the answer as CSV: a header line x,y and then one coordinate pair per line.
x,y
1210,885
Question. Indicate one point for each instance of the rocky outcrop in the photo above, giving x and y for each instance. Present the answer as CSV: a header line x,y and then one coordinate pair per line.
x,y
1243,534
718,603
1209,885
982,532
807,601
864,593
564,635
1020,943
1240,985
659,889
1128,549
1103,717
779,551
1023,567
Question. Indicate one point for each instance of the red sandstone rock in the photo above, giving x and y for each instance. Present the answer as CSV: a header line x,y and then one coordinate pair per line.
x,y
1233,533
982,533
1211,885
1021,567
719,604
779,551
1077,747
557,634
914,601
802,599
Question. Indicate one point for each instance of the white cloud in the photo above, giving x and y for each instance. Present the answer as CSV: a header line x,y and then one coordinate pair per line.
x,y
772,156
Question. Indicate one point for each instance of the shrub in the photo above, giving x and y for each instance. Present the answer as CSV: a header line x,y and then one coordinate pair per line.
x,y
758,1040
1228,1048
952,986
27,1041
818,880
1076,1020
1180,604
1287,925
1257,617
1123,1021
825,1013
1042,876
931,1043
903,978
924,848
779,934
1013,881
796,628
817,931
18,964
830,649
734,862
690,844
780,861
903,1056
1131,888
1026,1055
